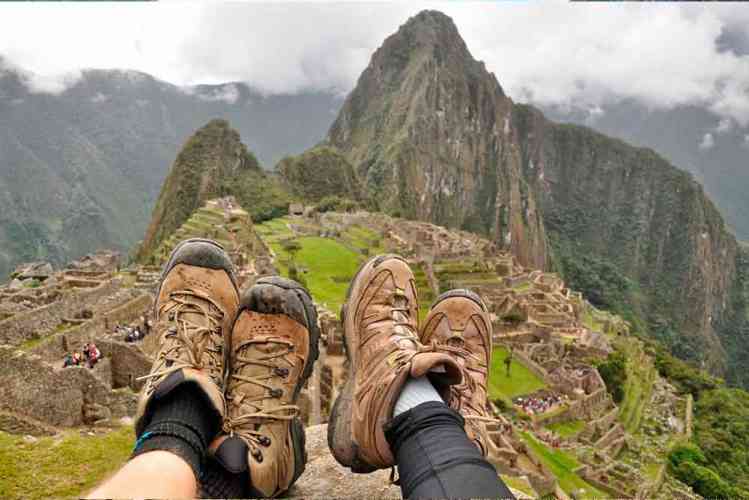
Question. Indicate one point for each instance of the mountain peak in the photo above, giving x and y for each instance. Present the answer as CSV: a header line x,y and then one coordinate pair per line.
x,y
430,33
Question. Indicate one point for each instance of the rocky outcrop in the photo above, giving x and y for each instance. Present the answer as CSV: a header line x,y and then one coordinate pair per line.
x,y
429,131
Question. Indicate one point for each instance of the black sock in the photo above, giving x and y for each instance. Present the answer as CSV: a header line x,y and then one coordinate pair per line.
x,y
183,423
217,482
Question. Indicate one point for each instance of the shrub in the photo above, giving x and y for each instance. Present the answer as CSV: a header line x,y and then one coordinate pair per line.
x,y
336,204
707,483
614,373
685,453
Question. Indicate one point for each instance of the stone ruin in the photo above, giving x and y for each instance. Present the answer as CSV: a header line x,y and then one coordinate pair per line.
x,y
547,326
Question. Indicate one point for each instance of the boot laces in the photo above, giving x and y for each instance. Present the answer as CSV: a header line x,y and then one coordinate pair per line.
x,y
187,344
247,425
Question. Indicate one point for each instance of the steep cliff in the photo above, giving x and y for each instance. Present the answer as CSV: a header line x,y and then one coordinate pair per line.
x,y
213,163
429,132
653,223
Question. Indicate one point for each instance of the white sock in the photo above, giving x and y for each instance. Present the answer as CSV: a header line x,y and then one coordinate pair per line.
x,y
415,391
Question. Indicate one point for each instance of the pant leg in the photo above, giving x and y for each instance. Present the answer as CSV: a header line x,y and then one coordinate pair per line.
x,y
436,459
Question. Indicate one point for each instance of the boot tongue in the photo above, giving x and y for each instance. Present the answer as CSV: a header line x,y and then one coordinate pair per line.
x,y
232,454
257,351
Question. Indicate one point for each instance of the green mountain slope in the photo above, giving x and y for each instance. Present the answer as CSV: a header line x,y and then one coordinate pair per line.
x,y
213,163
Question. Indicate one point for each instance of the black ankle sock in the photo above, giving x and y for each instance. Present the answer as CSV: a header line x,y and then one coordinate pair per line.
x,y
217,482
183,423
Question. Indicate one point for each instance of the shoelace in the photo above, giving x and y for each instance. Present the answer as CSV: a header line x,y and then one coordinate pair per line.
x,y
242,424
187,337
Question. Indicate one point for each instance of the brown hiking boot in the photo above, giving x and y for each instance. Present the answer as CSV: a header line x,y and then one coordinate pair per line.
x,y
383,350
273,348
458,324
194,310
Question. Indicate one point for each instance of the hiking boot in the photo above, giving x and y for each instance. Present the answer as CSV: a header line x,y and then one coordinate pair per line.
x,y
273,348
458,324
194,310
383,350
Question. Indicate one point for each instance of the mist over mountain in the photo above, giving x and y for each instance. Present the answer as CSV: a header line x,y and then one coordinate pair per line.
x,y
81,169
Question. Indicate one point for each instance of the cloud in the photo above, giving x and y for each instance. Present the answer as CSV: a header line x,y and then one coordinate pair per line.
x,y
228,93
549,52
724,126
707,142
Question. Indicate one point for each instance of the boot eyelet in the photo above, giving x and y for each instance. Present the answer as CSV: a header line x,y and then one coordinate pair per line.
x,y
276,393
264,440
281,372
171,316
257,455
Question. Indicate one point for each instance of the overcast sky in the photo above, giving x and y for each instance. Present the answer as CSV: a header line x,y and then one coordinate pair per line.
x,y
552,52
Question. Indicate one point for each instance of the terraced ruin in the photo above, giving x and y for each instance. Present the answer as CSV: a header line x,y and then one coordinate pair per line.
x,y
557,432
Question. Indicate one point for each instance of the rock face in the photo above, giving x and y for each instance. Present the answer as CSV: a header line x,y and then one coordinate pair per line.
x,y
432,136
430,133
212,163
628,206
323,477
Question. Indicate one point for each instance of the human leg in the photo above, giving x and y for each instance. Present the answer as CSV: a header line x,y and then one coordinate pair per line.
x,y
182,403
436,458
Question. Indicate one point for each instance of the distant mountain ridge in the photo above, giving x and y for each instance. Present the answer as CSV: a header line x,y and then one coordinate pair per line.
x,y
81,170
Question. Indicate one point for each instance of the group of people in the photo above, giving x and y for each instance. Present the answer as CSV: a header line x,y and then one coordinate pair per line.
x,y
535,405
136,333
88,356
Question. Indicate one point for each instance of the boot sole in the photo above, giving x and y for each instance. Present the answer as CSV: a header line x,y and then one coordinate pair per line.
x,y
298,434
199,252
340,436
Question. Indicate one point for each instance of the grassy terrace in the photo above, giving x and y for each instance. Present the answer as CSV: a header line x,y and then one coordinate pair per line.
x,y
60,467
567,429
638,387
329,264
521,380
562,465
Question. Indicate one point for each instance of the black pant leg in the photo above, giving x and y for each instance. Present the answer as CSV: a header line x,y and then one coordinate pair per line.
x,y
436,459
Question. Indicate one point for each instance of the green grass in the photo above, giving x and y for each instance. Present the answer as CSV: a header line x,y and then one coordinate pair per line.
x,y
60,467
521,380
567,429
522,287
562,465
637,389
518,484
329,266
363,238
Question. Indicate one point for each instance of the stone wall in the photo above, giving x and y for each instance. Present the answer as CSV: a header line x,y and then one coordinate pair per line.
x,y
43,320
58,397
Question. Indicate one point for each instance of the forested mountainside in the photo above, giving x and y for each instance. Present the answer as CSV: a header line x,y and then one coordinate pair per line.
x,y
714,149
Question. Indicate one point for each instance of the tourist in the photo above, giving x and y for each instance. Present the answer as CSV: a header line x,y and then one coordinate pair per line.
x,y
69,360
93,355
250,423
